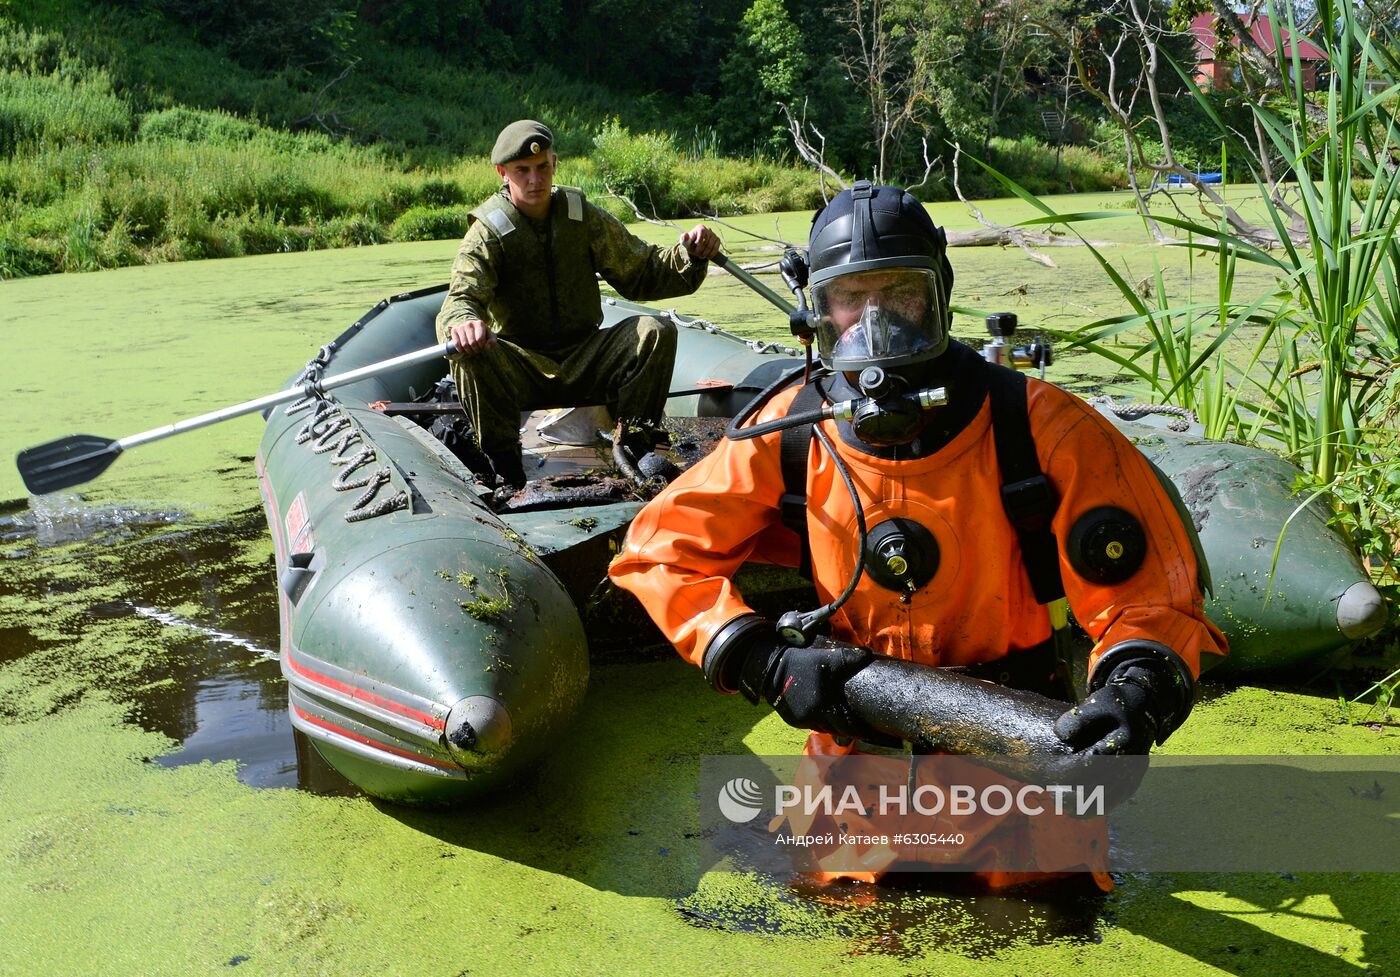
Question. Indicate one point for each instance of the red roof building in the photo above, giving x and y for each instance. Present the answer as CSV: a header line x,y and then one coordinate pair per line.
x,y
1215,71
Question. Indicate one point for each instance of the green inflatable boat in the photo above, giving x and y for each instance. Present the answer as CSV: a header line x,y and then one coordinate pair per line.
x,y
433,647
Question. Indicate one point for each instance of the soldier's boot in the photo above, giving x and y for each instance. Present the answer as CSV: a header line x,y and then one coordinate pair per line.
x,y
507,465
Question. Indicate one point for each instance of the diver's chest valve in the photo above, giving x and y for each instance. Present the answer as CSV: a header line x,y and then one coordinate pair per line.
x,y
902,556
1002,326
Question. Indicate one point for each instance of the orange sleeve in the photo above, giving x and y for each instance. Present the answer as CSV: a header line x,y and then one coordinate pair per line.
x,y
1092,464
685,546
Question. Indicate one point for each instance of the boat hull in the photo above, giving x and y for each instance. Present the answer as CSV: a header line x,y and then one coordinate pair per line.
x,y
433,649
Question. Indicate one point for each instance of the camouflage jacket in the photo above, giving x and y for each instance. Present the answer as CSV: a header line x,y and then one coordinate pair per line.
x,y
535,282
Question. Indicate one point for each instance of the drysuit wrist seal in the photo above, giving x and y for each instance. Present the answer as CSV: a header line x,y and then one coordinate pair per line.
x,y
724,655
1158,671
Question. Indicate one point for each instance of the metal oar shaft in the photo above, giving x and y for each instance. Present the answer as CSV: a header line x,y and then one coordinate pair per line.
x,y
287,396
731,266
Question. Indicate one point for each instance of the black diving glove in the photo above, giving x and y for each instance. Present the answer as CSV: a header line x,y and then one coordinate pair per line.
x,y
805,685
1142,691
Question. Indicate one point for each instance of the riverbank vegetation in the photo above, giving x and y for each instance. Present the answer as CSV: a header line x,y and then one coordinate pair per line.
x,y
150,130
1310,363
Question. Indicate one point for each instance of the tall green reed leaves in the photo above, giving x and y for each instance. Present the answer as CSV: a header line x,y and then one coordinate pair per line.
x,y
1321,344
1311,365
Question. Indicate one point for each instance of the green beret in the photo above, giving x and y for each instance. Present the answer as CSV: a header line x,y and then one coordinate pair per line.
x,y
520,139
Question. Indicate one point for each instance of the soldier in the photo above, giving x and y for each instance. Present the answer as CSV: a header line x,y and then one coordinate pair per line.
x,y
523,307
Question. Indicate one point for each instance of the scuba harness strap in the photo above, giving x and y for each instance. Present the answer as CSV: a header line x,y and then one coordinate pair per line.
x,y
793,451
1026,494
1030,503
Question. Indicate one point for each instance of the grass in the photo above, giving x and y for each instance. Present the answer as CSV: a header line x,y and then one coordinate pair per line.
x,y
122,143
489,608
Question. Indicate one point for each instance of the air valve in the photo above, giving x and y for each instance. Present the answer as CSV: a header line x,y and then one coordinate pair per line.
x,y
1002,326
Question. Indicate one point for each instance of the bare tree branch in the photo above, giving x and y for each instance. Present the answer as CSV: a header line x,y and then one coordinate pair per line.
x,y
1004,234
929,164
320,116
637,211
805,149
716,219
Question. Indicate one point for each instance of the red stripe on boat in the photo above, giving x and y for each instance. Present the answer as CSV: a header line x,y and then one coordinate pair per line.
x,y
341,731
274,523
364,695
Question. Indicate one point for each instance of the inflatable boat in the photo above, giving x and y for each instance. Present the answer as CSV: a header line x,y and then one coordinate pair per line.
x,y
433,646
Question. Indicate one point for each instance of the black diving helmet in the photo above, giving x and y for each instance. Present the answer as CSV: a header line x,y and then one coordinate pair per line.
x,y
880,281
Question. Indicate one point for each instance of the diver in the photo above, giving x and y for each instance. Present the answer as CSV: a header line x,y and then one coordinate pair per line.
x,y
948,511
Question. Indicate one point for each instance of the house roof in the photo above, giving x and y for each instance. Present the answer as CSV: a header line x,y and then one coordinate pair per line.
x,y
1203,30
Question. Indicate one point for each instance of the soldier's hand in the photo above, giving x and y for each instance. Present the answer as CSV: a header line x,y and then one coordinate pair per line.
x,y
472,336
701,242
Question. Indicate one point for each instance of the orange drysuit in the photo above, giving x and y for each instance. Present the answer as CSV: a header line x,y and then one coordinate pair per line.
x,y
684,547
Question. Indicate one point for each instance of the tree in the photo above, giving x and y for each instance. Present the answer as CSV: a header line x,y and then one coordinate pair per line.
x,y
883,59
1132,46
767,67
270,33
980,53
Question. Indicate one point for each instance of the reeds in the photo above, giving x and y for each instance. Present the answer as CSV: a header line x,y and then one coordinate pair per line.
x,y
1310,365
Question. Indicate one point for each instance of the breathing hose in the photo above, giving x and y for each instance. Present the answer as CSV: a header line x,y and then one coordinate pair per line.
x,y
798,628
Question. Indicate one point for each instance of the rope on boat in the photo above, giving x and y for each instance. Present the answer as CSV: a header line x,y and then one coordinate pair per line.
x,y
756,345
343,482
1184,418
309,378
365,507
312,427
332,429
328,440
341,445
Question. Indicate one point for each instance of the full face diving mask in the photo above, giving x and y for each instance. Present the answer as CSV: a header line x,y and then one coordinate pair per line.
x,y
875,326
888,317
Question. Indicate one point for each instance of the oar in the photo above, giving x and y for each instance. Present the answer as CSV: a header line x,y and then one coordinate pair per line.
x,y
724,261
80,458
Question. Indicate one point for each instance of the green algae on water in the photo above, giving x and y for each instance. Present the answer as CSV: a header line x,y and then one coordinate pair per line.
x,y
590,867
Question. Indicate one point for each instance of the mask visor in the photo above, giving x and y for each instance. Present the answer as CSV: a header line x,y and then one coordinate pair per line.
x,y
886,317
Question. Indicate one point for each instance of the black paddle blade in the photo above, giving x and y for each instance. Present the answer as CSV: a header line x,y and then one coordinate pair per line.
x,y
66,462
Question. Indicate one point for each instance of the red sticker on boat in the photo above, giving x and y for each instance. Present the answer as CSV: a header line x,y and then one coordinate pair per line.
x,y
299,535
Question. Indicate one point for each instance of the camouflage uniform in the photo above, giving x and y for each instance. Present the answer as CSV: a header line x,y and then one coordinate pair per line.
x,y
535,283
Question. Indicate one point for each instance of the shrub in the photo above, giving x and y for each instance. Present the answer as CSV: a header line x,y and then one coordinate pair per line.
x,y
1032,164
431,224
639,166
195,125
35,52
259,233
20,256
348,232
50,110
437,192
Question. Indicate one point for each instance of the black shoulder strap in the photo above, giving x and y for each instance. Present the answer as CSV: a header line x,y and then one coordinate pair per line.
x,y
793,451
1026,494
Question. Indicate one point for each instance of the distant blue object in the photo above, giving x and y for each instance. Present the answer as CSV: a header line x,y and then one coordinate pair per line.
x,y
1176,179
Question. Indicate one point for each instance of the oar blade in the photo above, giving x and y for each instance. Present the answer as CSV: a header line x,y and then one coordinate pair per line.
x,y
66,462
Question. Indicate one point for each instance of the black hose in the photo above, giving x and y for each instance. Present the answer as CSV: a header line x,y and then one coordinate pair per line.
x,y
732,432
735,432
822,613
777,424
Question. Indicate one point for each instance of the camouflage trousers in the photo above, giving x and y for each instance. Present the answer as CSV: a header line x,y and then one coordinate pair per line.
x,y
627,368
